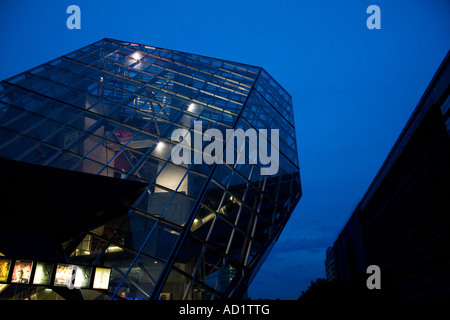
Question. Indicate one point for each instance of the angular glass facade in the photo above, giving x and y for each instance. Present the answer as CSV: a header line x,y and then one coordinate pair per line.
x,y
198,231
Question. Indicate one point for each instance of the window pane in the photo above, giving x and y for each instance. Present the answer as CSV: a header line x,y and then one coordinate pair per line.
x,y
175,286
188,255
135,230
16,147
161,241
64,160
141,278
39,154
213,196
178,209
203,221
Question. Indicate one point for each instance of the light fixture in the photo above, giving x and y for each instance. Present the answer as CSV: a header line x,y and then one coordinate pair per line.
x,y
159,145
136,56
191,107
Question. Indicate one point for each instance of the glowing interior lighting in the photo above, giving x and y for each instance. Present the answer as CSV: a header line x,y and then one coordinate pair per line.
x,y
191,107
114,249
159,146
136,56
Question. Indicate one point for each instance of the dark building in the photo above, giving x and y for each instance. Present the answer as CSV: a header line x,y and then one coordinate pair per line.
x,y
402,223
330,264
86,149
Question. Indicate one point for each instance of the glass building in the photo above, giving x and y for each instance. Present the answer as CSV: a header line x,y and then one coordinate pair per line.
x,y
91,132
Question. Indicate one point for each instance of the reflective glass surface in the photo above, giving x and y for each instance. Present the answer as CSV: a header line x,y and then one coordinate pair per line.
x,y
199,230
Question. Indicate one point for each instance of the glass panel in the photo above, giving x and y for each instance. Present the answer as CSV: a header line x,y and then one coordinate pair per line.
x,y
39,154
255,252
154,200
63,136
194,184
135,230
120,263
198,291
209,269
220,235
175,286
88,166
252,197
271,186
8,112
230,207
203,221
267,208
44,129
85,144
222,174
149,168
17,147
65,114
141,278
263,232
229,276
171,177
213,196
239,246
237,186
24,122
6,135
64,160
246,219
178,209
161,241
188,255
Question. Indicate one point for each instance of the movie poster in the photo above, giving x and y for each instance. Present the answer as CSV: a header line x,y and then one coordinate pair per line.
x,y
63,275
83,277
101,278
22,271
43,273
5,265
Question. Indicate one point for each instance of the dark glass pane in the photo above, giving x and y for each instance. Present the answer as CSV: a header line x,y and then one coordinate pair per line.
x,y
188,255
162,241
135,230
179,209
64,160
220,235
203,221
17,147
39,154
239,246
175,287
141,279
213,196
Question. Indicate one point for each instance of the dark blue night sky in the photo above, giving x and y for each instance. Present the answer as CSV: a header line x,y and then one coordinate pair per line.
x,y
353,88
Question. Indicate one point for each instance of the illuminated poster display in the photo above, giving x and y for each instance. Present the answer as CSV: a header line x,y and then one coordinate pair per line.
x,y
83,277
43,273
22,271
101,278
5,265
63,275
